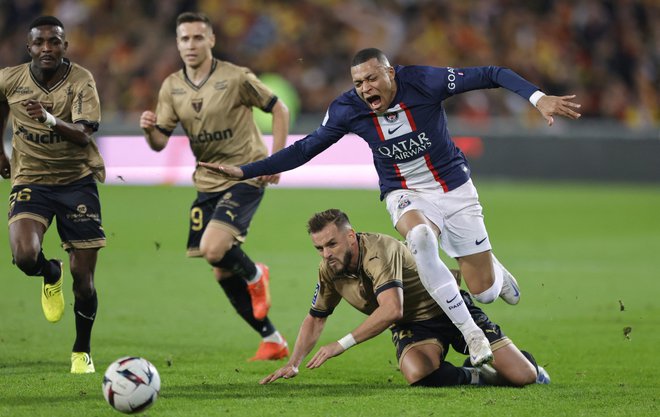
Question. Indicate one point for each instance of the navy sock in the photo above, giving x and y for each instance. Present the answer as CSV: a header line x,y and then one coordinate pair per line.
x,y
237,262
50,270
446,375
239,297
85,312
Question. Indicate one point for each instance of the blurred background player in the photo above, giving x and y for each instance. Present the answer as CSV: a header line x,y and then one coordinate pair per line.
x,y
424,178
377,275
55,109
213,101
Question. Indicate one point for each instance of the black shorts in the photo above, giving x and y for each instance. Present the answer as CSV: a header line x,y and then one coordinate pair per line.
x,y
441,330
75,206
231,209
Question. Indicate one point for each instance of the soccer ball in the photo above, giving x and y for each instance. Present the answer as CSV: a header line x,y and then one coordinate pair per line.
x,y
131,384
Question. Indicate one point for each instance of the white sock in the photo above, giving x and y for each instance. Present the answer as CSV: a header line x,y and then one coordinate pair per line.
x,y
256,276
493,292
437,279
275,338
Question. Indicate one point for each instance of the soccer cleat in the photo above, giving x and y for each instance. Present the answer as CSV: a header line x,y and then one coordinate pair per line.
x,y
479,348
488,375
542,377
509,292
271,351
52,298
260,294
81,363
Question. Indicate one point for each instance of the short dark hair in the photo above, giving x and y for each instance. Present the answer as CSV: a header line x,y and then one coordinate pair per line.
x,y
46,21
369,53
189,17
324,218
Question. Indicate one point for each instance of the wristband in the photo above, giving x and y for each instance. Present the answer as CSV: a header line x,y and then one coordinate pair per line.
x,y
50,120
347,341
534,98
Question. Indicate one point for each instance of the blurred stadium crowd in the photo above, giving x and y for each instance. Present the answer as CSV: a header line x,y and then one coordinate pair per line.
x,y
606,52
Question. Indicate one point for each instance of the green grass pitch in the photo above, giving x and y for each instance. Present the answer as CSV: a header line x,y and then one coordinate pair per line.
x,y
580,252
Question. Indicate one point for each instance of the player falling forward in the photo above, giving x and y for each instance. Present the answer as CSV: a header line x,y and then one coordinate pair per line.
x,y
378,276
54,109
213,101
424,178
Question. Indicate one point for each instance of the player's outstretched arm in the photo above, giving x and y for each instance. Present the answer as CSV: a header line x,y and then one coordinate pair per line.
x,y
310,331
229,171
558,105
389,310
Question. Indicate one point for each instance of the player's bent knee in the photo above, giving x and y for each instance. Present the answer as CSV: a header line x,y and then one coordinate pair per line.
x,y
26,261
422,238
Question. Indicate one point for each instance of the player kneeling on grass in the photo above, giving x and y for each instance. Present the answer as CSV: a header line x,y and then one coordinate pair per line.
x,y
377,275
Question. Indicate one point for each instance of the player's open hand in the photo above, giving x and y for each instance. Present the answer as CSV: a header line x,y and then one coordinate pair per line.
x,y
559,105
324,353
228,171
286,372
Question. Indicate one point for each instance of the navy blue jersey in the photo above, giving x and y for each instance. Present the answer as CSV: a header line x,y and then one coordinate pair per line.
x,y
410,143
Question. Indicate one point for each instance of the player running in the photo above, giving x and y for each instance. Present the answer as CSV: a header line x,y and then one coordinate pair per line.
x,y
424,178
213,101
54,109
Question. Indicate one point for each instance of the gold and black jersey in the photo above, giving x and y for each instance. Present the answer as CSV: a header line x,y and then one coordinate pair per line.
x,y
383,263
217,118
39,154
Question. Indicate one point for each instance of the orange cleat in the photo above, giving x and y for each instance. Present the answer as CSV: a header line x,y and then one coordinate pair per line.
x,y
260,294
271,351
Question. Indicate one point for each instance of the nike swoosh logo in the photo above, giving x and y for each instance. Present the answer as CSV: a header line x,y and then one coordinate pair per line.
x,y
479,242
449,301
390,131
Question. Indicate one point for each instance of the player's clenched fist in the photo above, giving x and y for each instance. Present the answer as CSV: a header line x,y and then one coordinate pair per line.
x,y
148,120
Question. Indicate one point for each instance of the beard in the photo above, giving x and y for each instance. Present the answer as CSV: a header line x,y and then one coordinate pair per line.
x,y
341,267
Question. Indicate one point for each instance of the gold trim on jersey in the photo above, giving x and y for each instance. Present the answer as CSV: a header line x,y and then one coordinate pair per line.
x,y
196,87
84,244
228,227
194,253
45,88
431,341
30,216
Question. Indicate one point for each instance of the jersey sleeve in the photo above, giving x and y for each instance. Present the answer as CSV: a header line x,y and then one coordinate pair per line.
x,y
166,117
385,267
326,297
86,106
3,85
459,80
254,93
331,130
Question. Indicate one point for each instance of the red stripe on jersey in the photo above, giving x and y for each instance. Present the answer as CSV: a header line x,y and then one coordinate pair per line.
x,y
398,174
378,129
427,157
409,115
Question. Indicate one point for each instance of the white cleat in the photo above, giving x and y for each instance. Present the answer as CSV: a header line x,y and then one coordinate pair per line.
x,y
479,348
542,377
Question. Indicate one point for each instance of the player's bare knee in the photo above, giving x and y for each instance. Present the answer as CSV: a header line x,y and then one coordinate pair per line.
x,y
26,260
213,253
83,286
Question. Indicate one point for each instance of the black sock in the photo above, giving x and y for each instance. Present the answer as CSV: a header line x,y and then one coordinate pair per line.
x,y
238,295
85,311
531,359
446,375
238,263
50,270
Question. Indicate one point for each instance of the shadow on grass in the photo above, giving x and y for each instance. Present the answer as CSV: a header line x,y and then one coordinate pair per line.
x,y
284,389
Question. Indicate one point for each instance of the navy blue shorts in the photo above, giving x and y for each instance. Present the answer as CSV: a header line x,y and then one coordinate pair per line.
x,y
75,206
441,330
231,209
